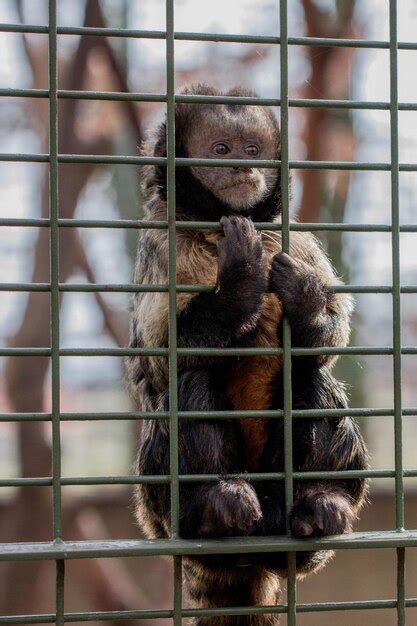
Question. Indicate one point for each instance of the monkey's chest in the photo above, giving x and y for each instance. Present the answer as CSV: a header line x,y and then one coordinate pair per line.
x,y
251,382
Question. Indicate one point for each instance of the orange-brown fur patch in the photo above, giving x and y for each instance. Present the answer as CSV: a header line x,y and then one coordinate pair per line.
x,y
250,383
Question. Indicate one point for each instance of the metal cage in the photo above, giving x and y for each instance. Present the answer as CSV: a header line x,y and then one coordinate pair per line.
x,y
60,550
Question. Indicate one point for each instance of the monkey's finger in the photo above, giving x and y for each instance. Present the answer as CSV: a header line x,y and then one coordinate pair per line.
x,y
238,233
224,221
229,228
282,258
248,229
251,238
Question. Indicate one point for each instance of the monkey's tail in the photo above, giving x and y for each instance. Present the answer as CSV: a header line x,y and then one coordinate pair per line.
x,y
238,586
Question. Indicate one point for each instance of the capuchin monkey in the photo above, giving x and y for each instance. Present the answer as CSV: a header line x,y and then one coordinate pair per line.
x,y
256,285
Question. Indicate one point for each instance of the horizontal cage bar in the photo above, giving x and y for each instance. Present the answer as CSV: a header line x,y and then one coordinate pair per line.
x,y
231,414
193,225
175,547
88,616
219,352
46,481
147,288
104,159
213,37
360,605
214,352
120,96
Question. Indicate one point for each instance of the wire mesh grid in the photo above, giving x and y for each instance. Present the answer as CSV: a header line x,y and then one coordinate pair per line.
x,y
60,550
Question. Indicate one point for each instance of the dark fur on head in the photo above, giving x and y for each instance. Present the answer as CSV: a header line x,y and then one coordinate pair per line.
x,y
193,198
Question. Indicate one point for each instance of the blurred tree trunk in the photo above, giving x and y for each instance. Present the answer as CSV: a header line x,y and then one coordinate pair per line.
x,y
329,135
28,517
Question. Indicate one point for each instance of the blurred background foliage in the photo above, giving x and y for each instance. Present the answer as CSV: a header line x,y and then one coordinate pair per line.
x,y
107,256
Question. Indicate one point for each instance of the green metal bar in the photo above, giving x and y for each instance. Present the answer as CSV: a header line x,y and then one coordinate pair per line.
x,y
46,481
319,607
187,162
118,352
149,288
122,96
193,225
136,415
214,37
59,592
55,301
401,602
172,296
177,604
396,270
134,288
286,340
174,547
396,311
54,266
172,308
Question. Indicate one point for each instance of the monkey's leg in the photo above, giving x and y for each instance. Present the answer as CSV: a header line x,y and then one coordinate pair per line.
x,y
220,508
212,587
325,507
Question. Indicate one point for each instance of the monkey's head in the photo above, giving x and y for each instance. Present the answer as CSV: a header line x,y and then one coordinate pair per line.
x,y
222,132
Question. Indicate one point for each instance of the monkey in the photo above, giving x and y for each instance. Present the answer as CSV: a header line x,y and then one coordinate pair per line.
x,y
256,286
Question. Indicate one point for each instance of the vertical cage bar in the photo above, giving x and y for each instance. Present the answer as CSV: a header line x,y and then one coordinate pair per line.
x,y
401,619
54,267
172,303
172,296
60,592
54,279
396,307
285,204
396,284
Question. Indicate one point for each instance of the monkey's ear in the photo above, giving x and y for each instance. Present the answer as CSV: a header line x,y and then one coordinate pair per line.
x,y
160,149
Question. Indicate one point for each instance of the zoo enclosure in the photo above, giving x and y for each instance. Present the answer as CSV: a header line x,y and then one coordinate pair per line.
x,y
60,550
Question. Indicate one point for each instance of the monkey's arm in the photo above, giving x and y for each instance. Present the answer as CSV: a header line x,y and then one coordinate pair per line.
x,y
217,319
318,316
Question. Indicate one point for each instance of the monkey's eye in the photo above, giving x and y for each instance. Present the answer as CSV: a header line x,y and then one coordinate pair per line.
x,y
221,148
252,150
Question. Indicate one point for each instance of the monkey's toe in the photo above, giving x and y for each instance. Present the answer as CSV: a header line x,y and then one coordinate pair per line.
x,y
320,513
232,509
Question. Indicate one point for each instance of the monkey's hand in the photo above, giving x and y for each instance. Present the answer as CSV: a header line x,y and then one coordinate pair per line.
x,y
302,293
240,253
320,513
232,508
241,272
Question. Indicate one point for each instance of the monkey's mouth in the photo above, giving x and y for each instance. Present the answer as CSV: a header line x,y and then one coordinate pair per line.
x,y
239,183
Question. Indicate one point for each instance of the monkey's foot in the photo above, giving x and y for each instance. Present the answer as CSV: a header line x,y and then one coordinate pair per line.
x,y
320,512
232,508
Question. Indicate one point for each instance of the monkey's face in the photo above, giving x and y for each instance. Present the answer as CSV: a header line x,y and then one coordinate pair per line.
x,y
240,133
